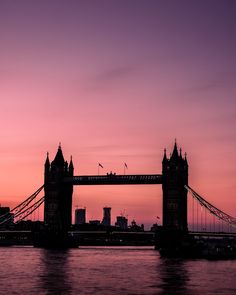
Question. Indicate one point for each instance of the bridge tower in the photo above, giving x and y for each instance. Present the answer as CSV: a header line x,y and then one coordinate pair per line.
x,y
175,176
172,238
58,199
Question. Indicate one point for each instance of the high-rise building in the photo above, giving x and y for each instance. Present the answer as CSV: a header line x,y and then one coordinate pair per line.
x,y
106,216
80,216
121,222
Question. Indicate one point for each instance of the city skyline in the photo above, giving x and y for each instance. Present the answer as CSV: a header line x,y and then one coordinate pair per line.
x,y
116,83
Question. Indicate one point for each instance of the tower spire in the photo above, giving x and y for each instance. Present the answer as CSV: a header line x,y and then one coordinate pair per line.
x,y
164,157
59,159
71,166
47,162
46,167
185,158
175,154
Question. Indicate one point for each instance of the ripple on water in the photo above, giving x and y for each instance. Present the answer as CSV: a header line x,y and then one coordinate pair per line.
x,y
114,270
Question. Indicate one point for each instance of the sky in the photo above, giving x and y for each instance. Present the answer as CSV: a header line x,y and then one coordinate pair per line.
x,y
116,82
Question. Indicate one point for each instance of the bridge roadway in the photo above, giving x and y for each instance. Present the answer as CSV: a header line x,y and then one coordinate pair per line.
x,y
113,179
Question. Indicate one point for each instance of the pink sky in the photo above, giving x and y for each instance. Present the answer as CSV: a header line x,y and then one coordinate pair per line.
x,y
115,82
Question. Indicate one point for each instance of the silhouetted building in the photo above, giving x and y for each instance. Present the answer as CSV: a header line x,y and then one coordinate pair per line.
x,y
6,218
106,216
154,227
80,216
135,227
121,222
94,222
175,177
58,195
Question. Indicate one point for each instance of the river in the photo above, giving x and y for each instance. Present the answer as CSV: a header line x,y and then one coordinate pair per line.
x,y
110,270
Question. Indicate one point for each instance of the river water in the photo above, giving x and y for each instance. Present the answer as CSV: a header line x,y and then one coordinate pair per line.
x,y
110,270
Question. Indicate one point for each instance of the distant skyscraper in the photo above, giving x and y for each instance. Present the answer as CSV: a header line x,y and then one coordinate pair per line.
x,y
80,216
106,216
121,222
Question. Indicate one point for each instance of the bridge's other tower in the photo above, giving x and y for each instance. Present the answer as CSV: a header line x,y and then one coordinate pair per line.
x,y
175,176
58,195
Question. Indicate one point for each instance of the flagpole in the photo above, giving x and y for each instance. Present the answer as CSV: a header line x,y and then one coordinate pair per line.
x,y
125,167
99,165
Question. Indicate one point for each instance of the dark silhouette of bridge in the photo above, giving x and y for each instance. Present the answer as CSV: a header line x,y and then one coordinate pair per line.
x,y
59,180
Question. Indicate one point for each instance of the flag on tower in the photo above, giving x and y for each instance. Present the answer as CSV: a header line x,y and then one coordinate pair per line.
x,y
126,166
100,165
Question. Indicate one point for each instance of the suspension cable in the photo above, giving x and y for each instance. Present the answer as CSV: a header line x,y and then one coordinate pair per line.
x,y
211,208
28,209
27,201
27,212
19,208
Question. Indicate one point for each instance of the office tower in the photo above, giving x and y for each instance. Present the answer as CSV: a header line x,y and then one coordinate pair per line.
x,y
106,216
80,216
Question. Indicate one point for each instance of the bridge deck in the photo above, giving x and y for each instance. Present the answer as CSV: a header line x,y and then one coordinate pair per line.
x,y
113,179
213,234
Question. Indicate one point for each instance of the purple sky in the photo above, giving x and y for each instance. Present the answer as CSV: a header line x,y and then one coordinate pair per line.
x,y
115,82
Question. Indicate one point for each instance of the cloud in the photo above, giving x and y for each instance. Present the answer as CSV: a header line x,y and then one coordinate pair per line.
x,y
115,74
108,77
215,84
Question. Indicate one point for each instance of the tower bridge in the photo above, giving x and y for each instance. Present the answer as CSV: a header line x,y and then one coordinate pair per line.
x,y
59,180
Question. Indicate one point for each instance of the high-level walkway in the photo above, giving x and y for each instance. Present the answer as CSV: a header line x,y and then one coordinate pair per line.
x,y
113,179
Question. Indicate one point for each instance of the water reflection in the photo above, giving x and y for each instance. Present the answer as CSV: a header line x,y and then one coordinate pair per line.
x,y
174,276
54,276
113,271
